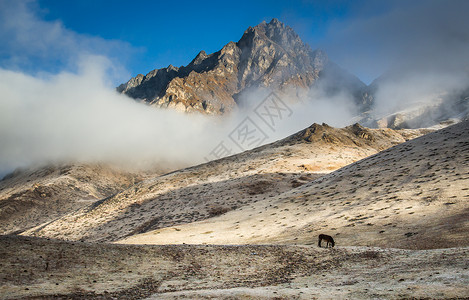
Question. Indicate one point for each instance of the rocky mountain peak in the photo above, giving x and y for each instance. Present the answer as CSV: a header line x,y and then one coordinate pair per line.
x,y
273,32
267,56
273,25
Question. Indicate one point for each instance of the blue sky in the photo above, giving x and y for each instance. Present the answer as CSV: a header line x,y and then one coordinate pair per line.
x,y
365,37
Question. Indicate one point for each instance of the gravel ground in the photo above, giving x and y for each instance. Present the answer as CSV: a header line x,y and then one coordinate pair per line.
x,y
35,268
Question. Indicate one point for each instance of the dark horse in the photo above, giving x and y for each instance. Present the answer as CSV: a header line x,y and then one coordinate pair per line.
x,y
327,238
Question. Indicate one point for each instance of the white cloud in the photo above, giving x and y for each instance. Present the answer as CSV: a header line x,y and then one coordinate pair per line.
x,y
78,117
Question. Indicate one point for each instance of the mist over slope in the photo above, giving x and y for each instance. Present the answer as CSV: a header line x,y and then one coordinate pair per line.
x,y
415,57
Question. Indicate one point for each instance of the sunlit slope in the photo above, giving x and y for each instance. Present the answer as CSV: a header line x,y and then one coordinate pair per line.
x,y
414,195
214,188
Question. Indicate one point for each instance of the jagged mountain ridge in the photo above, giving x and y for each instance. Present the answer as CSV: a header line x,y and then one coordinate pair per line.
x,y
269,55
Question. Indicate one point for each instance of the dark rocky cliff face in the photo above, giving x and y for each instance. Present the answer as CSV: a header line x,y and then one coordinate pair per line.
x,y
269,55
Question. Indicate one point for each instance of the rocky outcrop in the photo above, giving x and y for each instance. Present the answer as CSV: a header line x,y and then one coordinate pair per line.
x,y
269,55
353,136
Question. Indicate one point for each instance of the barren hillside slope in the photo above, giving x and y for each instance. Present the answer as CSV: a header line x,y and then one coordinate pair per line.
x,y
214,188
414,195
34,196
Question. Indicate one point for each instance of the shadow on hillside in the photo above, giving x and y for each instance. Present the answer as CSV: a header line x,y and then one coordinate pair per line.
x,y
190,204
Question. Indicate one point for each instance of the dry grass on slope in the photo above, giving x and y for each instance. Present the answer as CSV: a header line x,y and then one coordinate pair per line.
x,y
217,187
414,195
34,196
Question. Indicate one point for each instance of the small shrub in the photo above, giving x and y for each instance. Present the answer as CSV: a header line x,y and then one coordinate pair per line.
x,y
218,210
